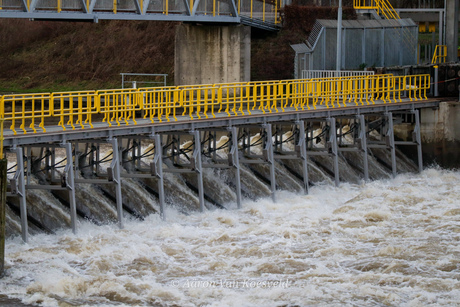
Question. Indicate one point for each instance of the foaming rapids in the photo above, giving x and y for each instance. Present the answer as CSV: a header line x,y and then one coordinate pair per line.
x,y
387,242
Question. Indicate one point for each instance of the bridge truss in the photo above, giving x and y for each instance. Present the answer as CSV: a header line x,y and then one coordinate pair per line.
x,y
262,13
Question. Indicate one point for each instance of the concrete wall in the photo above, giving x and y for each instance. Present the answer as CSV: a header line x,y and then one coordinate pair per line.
x,y
212,54
452,10
440,133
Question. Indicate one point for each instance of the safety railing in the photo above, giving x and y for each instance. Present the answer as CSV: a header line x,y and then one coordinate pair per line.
x,y
72,108
27,111
439,55
118,105
310,74
383,7
264,10
32,113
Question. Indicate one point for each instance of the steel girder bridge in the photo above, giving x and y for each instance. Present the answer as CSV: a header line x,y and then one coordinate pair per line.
x,y
37,126
257,13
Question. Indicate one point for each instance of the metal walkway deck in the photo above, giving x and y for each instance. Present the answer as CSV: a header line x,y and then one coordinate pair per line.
x,y
263,14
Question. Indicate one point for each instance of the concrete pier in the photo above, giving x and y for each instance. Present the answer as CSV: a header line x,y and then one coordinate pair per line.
x,y
440,132
452,29
212,54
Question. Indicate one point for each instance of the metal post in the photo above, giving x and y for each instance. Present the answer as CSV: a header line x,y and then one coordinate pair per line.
x,y
198,167
70,185
334,150
158,162
115,166
391,142
3,184
236,163
418,140
268,148
436,76
363,142
339,37
20,190
302,150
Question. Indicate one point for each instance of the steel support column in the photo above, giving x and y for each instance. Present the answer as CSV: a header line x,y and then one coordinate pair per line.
x,y
418,140
333,149
235,162
18,189
197,165
363,145
268,155
114,176
69,183
390,141
301,148
158,172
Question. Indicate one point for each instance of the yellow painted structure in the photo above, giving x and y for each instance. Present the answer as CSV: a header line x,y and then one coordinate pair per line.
x,y
28,113
440,54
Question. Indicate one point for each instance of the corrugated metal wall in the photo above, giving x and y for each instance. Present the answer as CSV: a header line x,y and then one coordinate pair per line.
x,y
365,43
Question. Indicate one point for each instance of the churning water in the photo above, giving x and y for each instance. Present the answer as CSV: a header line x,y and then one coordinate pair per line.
x,y
387,242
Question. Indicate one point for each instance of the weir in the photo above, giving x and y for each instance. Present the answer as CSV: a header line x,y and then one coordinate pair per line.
x,y
203,146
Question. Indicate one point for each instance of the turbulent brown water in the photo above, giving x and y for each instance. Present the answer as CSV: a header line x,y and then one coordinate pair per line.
x,y
388,242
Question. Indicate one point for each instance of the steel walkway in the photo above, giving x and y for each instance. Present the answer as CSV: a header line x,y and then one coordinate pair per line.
x,y
257,13
35,126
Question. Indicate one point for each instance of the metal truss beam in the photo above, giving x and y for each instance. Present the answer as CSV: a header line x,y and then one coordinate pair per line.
x,y
90,15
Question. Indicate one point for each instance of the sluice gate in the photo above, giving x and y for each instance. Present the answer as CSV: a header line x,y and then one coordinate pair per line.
x,y
139,140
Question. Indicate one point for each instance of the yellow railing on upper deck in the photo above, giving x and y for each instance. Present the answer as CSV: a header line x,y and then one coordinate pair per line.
x,y
28,113
439,55
383,7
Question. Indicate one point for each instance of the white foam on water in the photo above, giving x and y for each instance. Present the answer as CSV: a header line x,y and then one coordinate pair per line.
x,y
387,242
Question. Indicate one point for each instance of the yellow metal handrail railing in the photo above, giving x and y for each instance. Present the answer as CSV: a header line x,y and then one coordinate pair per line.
x,y
118,105
27,113
383,7
28,110
440,53
68,106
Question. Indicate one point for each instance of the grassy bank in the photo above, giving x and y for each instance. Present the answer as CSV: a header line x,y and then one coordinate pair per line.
x,y
43,56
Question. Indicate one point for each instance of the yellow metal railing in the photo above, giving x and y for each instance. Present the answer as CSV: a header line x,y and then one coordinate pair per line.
x,y
439,55
265,10
383,7
73,108
28,113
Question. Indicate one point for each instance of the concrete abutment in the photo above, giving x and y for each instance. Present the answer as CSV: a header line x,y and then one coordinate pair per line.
x,y
440,132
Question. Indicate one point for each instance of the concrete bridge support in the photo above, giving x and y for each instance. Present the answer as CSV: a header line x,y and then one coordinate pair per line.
x,y
440,132
212,54
452,11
